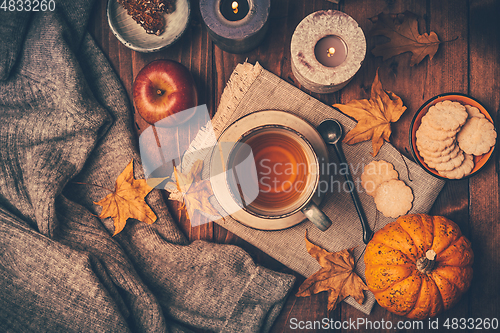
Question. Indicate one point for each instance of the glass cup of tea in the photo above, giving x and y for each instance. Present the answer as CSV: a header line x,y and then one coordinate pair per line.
x,y
283,177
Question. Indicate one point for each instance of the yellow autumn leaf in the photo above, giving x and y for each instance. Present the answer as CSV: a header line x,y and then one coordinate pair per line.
x,y
127,200
374,116
336,276
195,191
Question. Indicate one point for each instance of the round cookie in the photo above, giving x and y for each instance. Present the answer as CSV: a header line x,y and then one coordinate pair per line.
x,y
434,134
393,198
440,153
428,144
449,165
463,170
375,173
443,158
477,136
447,115
473,111
425,129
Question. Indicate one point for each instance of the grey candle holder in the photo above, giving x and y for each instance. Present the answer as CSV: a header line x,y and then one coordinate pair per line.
x,y
236,36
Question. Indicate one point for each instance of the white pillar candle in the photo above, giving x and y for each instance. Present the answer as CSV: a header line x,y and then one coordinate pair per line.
x,y
327,49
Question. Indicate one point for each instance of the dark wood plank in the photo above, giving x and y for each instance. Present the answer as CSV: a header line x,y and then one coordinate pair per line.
x,y
415,85
99,25
484,46
448,72
125,69
298,311
397,76
193,50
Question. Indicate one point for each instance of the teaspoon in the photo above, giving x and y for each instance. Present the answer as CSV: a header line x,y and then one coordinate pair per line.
x,y
331,131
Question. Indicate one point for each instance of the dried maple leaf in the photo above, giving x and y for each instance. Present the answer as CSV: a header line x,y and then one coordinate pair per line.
x,y
336,276
195,191
127,201
374,116
404,37
154,182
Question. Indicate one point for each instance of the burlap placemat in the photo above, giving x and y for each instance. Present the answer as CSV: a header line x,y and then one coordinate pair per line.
x,y
252,88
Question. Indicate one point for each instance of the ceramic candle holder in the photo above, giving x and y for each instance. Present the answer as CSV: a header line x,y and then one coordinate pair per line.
x,y
230,28
327,49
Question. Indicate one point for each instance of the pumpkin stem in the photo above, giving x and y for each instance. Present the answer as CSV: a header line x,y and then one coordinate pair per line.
x,y
426,264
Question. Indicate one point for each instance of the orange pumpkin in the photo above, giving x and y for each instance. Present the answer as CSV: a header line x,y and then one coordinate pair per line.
x,y
418,265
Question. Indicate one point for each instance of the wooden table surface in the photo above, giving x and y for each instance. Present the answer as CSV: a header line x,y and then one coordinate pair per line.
x,y
469,63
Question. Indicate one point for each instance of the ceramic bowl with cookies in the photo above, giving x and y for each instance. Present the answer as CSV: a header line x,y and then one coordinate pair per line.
x,y
452,136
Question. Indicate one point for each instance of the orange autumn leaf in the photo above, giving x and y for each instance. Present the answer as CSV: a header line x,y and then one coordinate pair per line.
x,y
127,201
374,116
195,191
336,276
404,37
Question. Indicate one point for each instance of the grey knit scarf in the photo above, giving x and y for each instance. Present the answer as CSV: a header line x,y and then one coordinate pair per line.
x,y
65,118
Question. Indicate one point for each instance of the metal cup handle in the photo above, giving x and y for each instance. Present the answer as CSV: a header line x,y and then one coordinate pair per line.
x,y
316,216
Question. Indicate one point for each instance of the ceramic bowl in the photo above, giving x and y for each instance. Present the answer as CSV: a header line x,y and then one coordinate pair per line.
x,y
479,161
133,36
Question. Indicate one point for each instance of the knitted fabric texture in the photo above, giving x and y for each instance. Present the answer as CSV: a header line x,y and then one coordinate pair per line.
x,y
65,118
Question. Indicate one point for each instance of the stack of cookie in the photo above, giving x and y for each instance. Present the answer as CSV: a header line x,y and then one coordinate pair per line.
x,y
450,134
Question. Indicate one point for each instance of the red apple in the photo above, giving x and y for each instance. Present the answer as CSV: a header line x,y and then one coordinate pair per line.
x,y
162,89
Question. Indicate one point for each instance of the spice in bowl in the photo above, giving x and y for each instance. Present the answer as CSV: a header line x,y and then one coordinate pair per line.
x,y
149,13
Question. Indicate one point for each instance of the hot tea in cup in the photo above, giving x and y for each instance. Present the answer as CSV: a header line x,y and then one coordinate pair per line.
x,y
285,173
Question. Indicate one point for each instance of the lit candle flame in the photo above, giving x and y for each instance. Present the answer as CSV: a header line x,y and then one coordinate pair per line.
x,y
331,51
234,5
